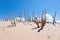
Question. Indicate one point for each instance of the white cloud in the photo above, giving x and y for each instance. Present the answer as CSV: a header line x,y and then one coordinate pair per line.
x,y
58,21
18,18
49,17
23,19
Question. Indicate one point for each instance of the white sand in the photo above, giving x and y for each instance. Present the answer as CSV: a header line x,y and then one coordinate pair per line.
x,y
23,31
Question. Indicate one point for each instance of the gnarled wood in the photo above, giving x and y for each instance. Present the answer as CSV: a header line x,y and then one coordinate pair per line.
x,y
43,20
13,23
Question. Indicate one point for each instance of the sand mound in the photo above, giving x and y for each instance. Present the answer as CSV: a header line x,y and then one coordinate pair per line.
x,y
23,31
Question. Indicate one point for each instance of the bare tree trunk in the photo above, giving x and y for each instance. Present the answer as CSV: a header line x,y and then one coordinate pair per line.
x,y
13,23
39,16
25,14
54,18
3,18
20,15
37,23
43,20
33,15
29,19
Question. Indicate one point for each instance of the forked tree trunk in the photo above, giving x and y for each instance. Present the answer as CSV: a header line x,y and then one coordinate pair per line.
x,y
43,20
13,23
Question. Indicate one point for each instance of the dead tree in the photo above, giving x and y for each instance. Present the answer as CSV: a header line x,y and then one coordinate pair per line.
x,y
9,17
6,18
25,14
13,23
37,23
39,16
33,15
3,18
54,16
28,17
20,15
43,20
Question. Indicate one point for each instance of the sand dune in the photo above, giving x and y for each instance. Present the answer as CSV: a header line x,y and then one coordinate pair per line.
x,y
23,31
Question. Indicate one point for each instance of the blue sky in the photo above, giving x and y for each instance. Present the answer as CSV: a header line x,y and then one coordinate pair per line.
x,y
29,5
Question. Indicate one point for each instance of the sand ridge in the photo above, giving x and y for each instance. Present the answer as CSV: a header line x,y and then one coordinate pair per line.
x,y
23,31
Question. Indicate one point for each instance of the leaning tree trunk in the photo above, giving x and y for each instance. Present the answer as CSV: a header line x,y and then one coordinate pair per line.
x,y
43,20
